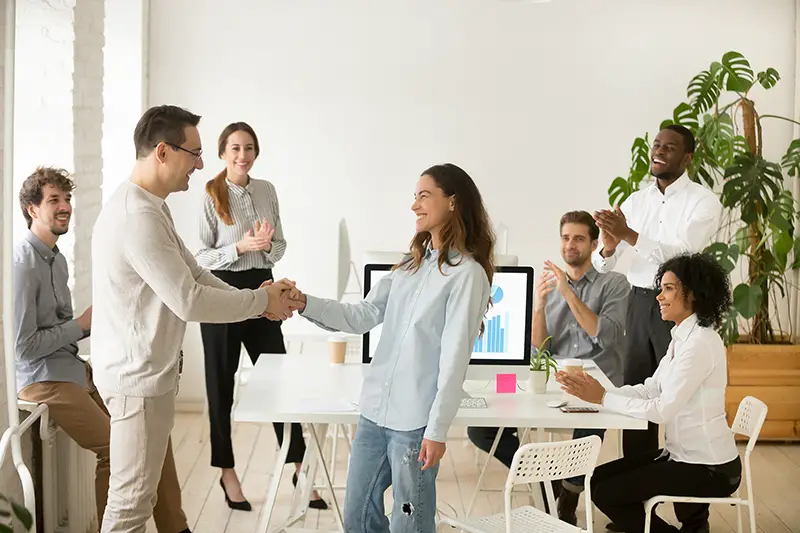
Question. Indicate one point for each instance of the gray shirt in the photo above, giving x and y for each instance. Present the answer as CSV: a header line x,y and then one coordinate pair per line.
x,y
47,336
607,296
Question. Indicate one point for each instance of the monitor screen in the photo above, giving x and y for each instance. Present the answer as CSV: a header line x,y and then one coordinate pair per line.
x,y
507,325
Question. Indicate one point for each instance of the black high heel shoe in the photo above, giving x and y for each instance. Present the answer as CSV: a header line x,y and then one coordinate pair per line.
x,y
236,506
313,504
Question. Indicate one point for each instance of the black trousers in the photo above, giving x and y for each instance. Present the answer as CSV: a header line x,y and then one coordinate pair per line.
x,y
648,338
620,488
222,344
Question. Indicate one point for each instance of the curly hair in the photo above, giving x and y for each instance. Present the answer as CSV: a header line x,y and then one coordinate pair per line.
x,y
31,191
703,278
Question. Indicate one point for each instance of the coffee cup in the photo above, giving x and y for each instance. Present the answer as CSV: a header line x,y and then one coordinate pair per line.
x,y
337,347
572,366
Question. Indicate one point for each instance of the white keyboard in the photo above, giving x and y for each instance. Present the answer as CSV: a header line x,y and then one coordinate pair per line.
x,y
473,402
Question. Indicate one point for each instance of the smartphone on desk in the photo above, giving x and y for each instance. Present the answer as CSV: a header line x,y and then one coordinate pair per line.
x,y
579,409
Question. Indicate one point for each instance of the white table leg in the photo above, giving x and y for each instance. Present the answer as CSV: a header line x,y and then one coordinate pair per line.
x,y
483,471
315,440
275,482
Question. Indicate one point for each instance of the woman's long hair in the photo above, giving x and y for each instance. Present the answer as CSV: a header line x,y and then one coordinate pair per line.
x,y
216,188
469,231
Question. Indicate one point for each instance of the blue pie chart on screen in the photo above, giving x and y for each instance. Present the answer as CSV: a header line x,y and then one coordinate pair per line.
x,y
497,294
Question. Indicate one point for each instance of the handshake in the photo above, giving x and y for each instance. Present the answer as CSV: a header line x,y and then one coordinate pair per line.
x,y
284,299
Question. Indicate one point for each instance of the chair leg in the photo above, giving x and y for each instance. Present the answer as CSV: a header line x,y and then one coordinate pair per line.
x,y
752,508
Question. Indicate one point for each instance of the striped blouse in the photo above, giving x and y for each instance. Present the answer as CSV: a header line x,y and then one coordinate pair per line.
x,y
256,201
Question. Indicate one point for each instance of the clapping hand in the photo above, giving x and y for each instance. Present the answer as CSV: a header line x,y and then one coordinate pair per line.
x,y
613,224
257,239
284,299
562,281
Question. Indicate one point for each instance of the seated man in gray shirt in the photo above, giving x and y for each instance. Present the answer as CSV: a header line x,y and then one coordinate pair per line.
x,y
584,313
49,370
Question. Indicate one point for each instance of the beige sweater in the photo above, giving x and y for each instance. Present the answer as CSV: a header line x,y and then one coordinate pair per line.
x,y
146,286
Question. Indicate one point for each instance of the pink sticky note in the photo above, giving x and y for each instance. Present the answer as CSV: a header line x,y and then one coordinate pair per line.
x,y
506,383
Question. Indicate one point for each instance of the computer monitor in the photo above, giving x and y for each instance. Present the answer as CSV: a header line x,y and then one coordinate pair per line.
x,y
505,345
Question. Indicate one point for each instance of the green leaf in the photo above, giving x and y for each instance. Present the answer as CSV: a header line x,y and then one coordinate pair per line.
x,y
23,515
768,78
619,191
747,299
5,529
640,156
782,244
751,184
730,327
736,74
685,115
742,238
704,90
791,160
725,255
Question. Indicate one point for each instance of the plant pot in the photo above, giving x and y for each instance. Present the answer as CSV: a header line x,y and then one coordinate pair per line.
x,y
537,381
771,373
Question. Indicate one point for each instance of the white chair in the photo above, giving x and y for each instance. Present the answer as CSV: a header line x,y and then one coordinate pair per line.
x,y
749,419
535,463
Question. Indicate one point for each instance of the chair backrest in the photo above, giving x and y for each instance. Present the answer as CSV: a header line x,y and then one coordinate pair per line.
x,y
749,418
543,461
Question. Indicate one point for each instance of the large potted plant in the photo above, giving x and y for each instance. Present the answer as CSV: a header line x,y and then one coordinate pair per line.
x,y
756,234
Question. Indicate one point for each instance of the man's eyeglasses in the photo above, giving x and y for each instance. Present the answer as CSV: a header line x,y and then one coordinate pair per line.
x,y
197,155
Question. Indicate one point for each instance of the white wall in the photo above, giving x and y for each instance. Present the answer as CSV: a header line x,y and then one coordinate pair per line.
x,y
353,99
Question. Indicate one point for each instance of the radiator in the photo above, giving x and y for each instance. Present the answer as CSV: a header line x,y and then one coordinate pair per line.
x,y
68,483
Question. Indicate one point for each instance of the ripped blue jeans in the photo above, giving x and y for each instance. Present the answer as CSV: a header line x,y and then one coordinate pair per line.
x,y
381,458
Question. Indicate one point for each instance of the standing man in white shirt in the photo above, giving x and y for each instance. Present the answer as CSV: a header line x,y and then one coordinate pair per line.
x,y
673,215
146,286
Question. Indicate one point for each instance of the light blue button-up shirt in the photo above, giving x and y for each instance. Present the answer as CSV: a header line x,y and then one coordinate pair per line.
x,y
431,319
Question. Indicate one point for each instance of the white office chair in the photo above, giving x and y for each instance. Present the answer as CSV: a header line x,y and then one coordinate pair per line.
x,y
534,463
749,419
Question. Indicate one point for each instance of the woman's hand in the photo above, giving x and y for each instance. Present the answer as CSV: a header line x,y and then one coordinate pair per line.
x,y
581,385
431,452
258,239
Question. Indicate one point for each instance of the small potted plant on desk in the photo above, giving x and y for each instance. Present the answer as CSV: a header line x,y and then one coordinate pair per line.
x,y
541,363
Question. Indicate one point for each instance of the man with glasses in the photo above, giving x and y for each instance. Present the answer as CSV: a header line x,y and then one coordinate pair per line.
x,y
146,286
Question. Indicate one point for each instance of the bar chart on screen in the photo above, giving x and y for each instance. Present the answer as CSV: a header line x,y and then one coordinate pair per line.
x,y
495,336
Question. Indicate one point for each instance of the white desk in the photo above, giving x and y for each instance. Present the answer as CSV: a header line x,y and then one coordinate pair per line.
x,y
307,389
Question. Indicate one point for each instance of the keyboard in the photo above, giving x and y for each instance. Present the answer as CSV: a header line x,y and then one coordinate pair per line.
x,y
471,402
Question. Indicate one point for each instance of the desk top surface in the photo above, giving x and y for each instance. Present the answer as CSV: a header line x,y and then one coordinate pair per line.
x,y
308,388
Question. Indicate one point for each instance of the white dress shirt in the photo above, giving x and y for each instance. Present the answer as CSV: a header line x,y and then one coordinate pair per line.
x,y
430,322
146,285
687,395
681,219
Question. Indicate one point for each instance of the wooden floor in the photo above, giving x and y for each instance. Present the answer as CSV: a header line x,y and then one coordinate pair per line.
x,y
776,475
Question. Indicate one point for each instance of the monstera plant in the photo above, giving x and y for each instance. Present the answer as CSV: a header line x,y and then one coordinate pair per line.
x,y
757,229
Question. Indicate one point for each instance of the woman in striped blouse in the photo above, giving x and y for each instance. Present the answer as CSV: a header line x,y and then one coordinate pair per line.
x,y
242,240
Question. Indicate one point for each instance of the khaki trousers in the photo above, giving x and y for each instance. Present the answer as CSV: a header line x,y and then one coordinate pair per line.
x,y
140,442
82,415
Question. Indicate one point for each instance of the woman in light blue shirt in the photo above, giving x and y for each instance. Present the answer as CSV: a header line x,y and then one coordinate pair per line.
x,y
432,308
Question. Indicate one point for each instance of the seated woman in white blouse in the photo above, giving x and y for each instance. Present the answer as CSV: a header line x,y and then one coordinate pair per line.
x,y
687,395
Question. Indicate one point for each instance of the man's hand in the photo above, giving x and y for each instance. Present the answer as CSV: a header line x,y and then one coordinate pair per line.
x,y
562,281
85,320
614,223
581,385
431,452
610,243
280,305
544,286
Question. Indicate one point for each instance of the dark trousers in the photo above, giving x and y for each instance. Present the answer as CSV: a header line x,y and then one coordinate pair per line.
x,y
222,344
620,488
648,338
483,438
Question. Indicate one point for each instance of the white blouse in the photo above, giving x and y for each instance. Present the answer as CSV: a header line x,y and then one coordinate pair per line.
x,y
687,395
